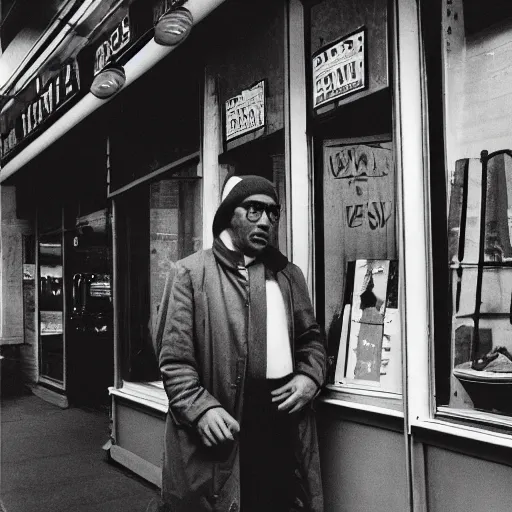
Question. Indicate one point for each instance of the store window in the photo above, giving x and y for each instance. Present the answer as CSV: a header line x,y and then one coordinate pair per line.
x,y
361,267
356,198
476,46
51,303
158,224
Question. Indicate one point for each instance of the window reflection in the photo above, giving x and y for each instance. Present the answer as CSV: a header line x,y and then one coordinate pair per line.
x,y
51,308
481,268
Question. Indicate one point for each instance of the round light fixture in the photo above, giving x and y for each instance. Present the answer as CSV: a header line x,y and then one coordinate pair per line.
x,y
173,27
107,82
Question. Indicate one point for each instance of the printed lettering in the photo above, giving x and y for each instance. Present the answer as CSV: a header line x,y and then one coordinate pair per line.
x,y
125,30
339,75
24,124
69,85
43,106
114,43
57,91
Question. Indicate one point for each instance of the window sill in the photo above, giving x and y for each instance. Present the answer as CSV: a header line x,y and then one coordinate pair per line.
x,y
469,432
359,390
54,383
488,418
364,400
149,394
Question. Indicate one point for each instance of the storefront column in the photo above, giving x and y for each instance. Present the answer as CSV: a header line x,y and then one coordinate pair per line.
x,y
300,239
213,174
412,166
11,278
12,335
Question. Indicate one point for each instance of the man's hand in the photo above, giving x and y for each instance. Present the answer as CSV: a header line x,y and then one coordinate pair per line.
x,y
217,426
296,394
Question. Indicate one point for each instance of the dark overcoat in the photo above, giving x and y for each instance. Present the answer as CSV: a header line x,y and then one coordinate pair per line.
x,y
203,360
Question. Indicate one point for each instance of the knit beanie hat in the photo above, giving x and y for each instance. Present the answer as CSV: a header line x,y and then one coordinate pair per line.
x,y
234,191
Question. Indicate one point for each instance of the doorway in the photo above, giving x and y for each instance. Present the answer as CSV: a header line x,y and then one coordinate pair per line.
x,y
90,368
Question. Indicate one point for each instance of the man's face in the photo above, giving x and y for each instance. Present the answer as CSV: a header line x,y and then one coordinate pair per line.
x,y
251,237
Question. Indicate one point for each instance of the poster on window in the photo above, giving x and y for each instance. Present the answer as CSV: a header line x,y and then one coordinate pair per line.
x,y
246,111
374,349
339,68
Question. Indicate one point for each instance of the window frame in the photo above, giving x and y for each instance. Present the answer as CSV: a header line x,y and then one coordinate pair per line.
x,y
436,414
125,350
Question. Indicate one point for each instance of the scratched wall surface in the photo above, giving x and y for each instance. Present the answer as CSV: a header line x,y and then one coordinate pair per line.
x,y
11,279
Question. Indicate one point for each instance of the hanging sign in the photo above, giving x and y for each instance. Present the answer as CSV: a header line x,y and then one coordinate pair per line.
x,y
246,111
49,98
116,41
339,69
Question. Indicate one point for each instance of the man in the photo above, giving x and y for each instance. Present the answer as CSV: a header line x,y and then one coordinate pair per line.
x,y
242,358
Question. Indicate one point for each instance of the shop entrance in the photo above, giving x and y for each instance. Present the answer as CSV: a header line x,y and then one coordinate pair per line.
x,y
90,361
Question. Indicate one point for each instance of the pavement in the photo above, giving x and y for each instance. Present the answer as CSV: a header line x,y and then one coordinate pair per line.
x,y
52,461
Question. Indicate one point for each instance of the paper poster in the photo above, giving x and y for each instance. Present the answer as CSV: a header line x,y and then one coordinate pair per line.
x,y
246,111
339,69
373,354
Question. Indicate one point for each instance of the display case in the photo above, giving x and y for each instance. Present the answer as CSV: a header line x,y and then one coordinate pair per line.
x,y
480,224
474,365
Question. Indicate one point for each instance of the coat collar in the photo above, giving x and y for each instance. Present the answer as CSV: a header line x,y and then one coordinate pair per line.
x,y
270,257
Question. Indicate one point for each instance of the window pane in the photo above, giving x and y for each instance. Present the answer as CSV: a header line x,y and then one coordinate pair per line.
x,y
478,110
361,269
158,224
51,308
175,231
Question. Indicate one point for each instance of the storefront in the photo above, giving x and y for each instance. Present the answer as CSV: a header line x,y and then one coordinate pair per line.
x,y
384,126
66,262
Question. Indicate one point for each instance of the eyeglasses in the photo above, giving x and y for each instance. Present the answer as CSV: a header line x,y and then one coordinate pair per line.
x,y
255,210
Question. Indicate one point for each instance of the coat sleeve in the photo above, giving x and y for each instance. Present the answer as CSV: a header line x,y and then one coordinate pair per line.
x,y
188,399
309,347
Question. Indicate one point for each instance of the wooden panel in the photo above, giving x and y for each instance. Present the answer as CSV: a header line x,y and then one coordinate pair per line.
x,y
363,467
359,211
332,19
459,483
29,348
138,465
140,431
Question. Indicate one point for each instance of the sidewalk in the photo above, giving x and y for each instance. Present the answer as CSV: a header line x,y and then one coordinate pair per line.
x,y
52,461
